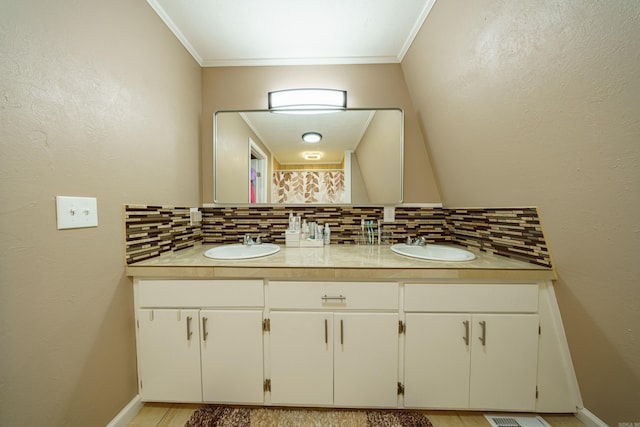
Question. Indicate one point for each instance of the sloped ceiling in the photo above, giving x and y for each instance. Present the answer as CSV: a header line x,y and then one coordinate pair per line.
x,y
294,32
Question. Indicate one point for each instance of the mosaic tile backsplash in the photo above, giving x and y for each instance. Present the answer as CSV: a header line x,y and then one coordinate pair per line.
x,y
511,232
152,230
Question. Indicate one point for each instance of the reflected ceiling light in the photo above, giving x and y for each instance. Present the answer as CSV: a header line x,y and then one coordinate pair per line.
x,y
311,137
312,155
302,101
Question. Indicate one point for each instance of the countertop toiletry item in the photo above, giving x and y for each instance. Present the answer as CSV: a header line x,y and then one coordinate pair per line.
x,y
305,230
327,234
292,238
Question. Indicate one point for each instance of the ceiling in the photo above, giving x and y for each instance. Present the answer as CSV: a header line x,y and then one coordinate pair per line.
x,y
281,133
294,32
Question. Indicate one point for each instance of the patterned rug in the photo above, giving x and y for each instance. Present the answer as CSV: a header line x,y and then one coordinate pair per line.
x,y
228,416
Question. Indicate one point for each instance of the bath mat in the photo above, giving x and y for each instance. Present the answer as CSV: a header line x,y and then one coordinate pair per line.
x,y
229,416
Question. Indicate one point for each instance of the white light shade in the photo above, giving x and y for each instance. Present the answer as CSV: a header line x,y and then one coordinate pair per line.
x,y
308,99
311,137
313,155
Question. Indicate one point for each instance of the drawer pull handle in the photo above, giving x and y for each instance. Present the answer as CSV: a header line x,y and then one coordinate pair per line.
x,y
466,332
204,329
340,297
483,337
189,333
326,331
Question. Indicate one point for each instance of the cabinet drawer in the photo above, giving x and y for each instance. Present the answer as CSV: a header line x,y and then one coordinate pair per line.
x,y
200,293
521,298
333,295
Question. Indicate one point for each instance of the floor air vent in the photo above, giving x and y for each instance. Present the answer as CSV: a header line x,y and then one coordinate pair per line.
x,y
519,421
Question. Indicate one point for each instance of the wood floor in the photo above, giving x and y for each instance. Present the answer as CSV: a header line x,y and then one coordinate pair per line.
x,y
176,415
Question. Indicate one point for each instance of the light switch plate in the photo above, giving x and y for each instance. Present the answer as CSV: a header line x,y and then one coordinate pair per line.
x,y
76,212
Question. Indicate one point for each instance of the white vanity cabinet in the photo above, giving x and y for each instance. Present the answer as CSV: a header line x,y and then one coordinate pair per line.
x,y
200,340
301,358
471,346
430,344
231,353
333,343
169,355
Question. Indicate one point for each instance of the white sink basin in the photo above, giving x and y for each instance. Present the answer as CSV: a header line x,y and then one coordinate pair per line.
x,y
240,251
433,252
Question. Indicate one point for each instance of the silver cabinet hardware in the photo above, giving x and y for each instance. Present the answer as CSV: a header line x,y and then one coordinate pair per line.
x,y
466,332
327,298
204,329
189,333
326,331
483,337
341,332
402,327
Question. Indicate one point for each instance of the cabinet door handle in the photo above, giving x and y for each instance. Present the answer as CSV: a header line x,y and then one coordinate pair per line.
x,y
483,337
466,332
326,331
341,332
189,333
204,329
326,298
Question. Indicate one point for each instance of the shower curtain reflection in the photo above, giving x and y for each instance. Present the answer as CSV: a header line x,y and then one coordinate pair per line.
x,y
308,186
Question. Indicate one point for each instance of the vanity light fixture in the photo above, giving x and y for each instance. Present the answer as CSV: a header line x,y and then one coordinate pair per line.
x,y
311,137
311,100
312,155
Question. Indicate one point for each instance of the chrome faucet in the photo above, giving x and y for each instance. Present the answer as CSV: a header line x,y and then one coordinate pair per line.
x,y
249,241
420,241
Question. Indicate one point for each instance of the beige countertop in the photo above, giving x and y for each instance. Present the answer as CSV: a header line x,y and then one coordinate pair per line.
x,y
335,262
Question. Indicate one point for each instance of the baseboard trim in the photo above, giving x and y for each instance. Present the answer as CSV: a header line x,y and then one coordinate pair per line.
x,y
127,413
589,419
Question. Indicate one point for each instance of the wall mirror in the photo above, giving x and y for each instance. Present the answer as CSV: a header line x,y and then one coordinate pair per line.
x,y
353,156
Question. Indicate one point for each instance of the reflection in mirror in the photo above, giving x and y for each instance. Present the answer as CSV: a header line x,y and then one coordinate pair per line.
x,y
261,157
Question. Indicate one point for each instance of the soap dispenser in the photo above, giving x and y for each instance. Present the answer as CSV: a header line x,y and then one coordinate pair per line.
x,y
327,234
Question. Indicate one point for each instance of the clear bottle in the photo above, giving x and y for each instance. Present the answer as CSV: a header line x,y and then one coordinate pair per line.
x,y
327,234
292,223
305,230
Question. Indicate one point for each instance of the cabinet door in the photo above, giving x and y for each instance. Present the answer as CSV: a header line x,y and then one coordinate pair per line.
x,y
436,370
231,350
301,358
366,359
169,355
504,357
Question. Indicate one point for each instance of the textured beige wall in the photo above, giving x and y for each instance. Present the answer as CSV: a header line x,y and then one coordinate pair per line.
x,y
374,154
536,103
96,99
234,169
368,86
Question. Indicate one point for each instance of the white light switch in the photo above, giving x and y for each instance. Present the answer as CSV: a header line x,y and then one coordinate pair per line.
x,y
76,212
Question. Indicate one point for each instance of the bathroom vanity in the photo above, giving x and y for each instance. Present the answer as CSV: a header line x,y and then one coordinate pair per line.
x,y
351,326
